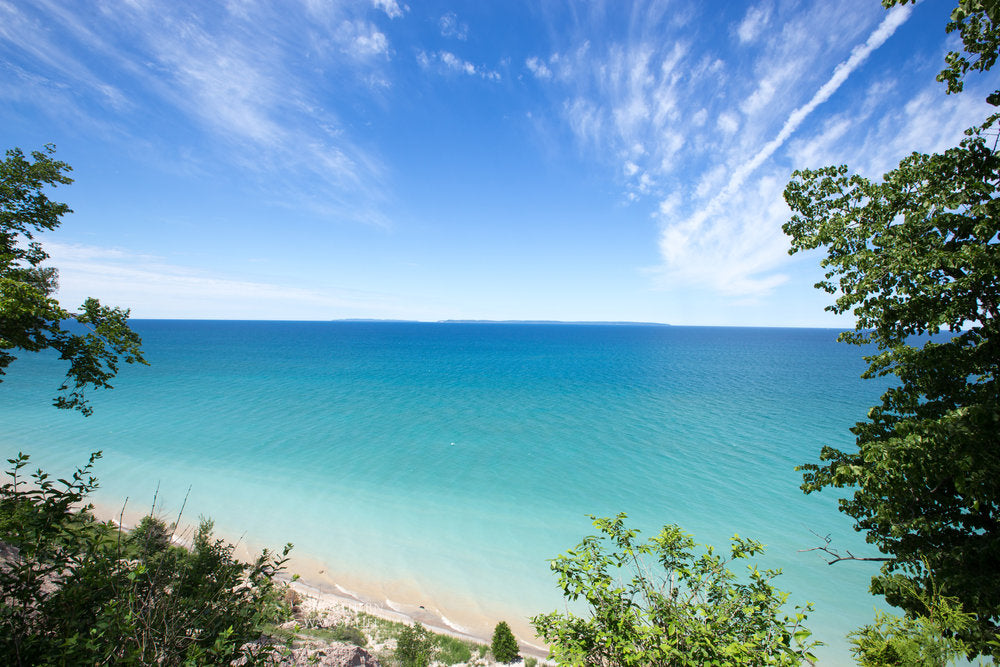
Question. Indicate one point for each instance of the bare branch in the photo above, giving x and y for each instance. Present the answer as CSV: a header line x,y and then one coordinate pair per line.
x,y
836,556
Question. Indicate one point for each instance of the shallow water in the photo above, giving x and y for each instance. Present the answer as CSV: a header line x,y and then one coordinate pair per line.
x,y
444,464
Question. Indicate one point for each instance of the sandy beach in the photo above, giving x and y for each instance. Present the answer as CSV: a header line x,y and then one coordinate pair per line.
x,y
328,592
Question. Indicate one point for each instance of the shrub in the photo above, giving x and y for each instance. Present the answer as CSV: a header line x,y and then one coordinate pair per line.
x,y
504,646
150,537
76,592
696,612
414,646
927,640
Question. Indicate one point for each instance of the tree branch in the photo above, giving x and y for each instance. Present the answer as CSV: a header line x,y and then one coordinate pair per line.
x,y
836,556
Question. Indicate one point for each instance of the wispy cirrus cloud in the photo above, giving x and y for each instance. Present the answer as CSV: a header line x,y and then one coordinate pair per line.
x,y
710,130
392,8
243,75
124,277
446,61
754,22
538,68
451,26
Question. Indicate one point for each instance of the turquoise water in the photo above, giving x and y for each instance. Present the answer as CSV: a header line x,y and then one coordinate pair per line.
x,y
445,464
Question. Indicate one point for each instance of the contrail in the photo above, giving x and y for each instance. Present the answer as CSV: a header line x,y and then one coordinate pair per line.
x,y
859,54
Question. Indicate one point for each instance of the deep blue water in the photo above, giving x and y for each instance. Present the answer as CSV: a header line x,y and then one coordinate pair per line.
x,y
444,464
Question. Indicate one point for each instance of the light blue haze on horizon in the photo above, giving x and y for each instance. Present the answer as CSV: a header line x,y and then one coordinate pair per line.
x,y
461,160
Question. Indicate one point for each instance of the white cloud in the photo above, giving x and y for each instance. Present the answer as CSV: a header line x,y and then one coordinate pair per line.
x,y
158,289
840,73
585,119
363,39
741,225
764,93
247,99
728,122
453,63
391,8
452,27
754,22
538,68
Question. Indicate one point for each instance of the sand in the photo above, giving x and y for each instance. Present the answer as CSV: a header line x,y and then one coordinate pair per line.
x,y
335,594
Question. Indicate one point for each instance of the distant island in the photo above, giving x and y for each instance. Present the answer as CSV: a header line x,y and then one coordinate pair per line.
x,y
633,324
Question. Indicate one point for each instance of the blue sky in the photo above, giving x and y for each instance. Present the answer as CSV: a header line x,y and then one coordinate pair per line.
x,y
483,160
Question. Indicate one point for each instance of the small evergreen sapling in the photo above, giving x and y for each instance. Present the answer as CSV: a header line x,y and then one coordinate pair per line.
x,y
504,645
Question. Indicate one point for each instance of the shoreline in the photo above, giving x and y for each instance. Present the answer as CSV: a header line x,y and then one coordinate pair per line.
x,y
312,578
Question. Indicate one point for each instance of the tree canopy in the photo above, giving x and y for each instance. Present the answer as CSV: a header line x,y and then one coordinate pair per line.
x,y
915,258
31,319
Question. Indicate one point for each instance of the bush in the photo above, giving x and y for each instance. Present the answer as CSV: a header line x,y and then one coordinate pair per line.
x,y
928,640
504,646
349,634
414,646
76,592
696,612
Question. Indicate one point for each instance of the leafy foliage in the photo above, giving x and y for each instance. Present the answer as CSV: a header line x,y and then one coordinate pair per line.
x,y
414,646
928,640
504,645
658,603
916,259
31,319
976,22
77,591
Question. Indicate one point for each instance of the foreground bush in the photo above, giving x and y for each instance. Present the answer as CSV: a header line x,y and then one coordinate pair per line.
x,y
77,591
657,603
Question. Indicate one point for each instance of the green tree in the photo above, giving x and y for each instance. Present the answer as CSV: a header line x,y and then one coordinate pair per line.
x,y
31,319
658,603
75,591
504,645
914,257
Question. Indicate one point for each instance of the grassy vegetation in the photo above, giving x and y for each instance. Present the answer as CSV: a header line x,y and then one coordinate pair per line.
x,y
420,646
348,634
